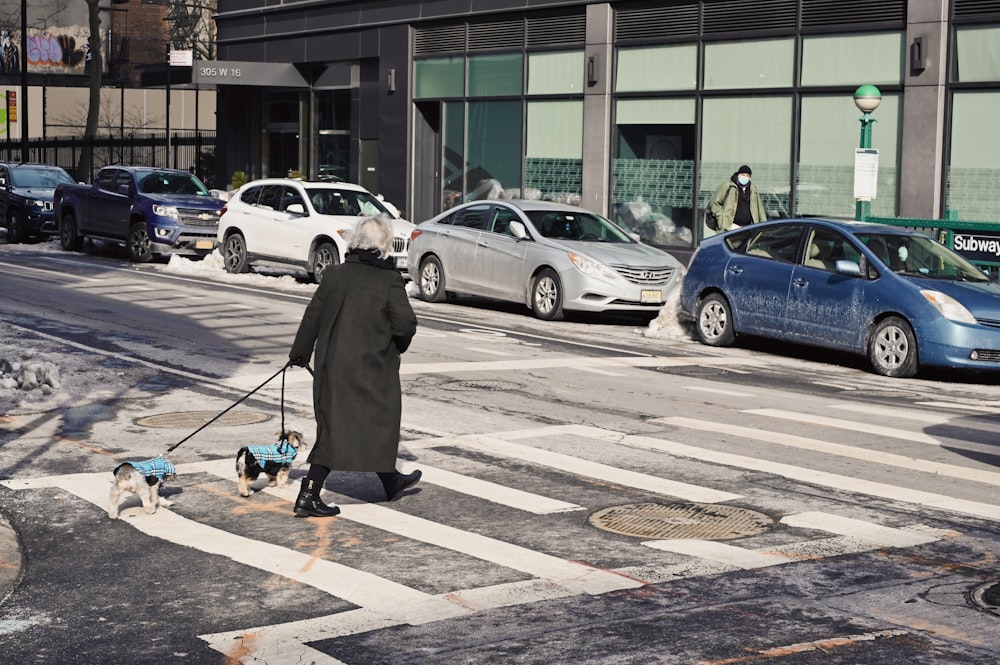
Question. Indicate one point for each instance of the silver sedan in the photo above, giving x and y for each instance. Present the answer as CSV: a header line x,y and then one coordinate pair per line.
x,y
548,256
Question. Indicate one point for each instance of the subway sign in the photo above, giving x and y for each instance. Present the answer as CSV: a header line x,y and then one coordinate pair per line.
x,y
978,247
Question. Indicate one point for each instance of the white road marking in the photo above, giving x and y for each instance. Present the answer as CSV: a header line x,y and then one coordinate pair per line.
x,y
881,535
840,450
838,423
581,467
720,552
986,407
488,352
487,491
718,391
568,362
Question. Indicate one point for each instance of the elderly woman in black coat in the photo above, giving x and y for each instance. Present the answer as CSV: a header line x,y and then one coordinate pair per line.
x,y
358,322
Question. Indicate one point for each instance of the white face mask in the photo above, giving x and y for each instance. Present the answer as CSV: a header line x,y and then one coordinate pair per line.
x,y
743,180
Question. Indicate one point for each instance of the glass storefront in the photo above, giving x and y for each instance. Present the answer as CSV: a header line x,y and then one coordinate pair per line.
x,y
973,167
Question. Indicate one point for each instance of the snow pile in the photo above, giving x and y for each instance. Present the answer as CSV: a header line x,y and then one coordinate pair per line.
x,y
666,325
19,370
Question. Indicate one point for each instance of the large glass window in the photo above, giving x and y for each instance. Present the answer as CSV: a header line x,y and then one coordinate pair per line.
x,y
758,64
453,160
333,145
494,148
555,73
853,59
756,131
830,132
553,163
495,75
657,68
653,171
439,77
977,54
974,169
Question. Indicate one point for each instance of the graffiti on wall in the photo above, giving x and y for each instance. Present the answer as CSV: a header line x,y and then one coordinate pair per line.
x,y
54,51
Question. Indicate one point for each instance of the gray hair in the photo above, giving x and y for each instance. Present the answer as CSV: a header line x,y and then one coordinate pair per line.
x,y
372,233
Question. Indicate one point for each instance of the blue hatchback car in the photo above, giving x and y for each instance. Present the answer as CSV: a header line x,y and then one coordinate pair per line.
x,y
893,294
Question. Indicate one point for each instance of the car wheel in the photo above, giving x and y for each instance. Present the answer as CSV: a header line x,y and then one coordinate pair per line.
x,y
326,256
139,248
431,282
68,236
16,232
234,254
546,296
714,321
892,348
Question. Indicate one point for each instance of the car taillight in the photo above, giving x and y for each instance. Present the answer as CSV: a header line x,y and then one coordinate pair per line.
x,y
223,211
414,234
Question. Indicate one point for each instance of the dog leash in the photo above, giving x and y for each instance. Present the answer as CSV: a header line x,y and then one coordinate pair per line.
x,y
281,371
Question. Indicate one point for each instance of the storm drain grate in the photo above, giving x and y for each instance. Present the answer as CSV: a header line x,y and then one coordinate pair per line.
x,y
199,418
487,385
703,521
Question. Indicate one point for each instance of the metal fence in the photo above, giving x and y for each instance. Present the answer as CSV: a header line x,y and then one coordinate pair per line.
x,y
184,150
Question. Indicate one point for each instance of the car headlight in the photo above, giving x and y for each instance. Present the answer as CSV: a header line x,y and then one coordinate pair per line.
x,y
167,211
37,203
592,267
948,306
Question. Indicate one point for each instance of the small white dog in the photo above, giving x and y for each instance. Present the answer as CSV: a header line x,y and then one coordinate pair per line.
x,y
143,479
273,460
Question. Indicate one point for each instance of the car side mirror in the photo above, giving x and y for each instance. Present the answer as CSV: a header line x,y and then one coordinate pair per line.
x,y
849,268
296,209
517,230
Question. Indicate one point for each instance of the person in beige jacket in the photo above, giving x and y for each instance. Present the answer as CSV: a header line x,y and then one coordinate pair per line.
x,y
737,201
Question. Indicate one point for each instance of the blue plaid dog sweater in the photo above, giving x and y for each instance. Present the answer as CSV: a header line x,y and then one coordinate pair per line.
x,y
155,469
269,459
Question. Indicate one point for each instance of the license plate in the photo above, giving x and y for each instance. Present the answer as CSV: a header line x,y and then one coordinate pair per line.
x,y
204,244
400,262
651,296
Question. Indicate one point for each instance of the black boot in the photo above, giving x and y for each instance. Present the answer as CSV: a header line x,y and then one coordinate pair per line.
x,y
309,504
395,482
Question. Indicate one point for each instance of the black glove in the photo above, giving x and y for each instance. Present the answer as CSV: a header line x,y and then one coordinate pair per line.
x,y
296,362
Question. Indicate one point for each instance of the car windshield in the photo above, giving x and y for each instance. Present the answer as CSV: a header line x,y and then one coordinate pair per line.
x,y
30,176
328,201
151,181
920,256
576,225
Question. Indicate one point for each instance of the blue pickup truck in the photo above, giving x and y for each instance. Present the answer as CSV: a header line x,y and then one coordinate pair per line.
x,y
151,211
26,199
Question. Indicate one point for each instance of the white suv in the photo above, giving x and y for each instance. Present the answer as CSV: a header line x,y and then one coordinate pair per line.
x,y
285,222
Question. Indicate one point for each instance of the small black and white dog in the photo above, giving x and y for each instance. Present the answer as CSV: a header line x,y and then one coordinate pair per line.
x,y
274,461
143,479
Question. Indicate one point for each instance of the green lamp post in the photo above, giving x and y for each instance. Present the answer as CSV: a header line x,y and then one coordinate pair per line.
x,y
866,98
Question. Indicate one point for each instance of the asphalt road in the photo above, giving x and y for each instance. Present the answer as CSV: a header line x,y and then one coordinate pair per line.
x,y
590,495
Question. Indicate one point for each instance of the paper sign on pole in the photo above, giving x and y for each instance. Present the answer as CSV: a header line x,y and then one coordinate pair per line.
x,y
181,58
865,173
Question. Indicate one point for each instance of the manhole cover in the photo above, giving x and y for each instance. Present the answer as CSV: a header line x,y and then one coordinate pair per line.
x,y
199,418
494,386
987,596
704,521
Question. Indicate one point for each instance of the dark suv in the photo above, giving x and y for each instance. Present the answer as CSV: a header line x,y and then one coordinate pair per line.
x,y
26,199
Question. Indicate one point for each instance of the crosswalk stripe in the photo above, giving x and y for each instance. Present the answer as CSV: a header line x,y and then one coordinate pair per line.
x,y
581,467
864,428
881,535
570,362
493,492
822,478
928,417
382,596
815,445
720,552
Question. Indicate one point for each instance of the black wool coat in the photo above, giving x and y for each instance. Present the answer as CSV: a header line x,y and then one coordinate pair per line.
x,y
359,321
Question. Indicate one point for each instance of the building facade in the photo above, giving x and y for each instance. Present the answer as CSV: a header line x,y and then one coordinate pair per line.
x,y
637,110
